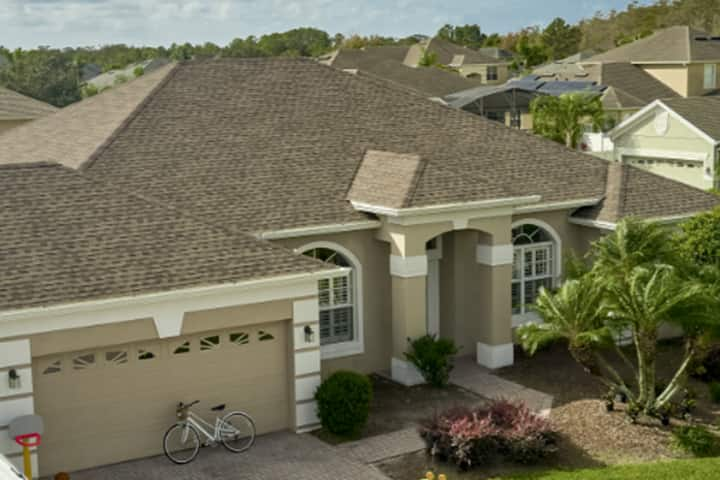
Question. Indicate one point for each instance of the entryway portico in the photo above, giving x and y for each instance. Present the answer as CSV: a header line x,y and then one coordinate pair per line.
x,y
451,277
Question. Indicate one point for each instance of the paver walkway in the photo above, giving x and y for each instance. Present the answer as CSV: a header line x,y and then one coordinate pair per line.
x,y
381,447
471,376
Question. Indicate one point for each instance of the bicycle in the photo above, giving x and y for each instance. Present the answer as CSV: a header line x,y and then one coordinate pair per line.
x,y
181,443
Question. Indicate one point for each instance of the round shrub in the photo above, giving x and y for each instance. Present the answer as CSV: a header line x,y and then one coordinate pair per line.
x,y
344,403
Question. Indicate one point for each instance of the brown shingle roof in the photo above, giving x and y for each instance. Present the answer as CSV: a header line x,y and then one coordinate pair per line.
x,y
68,238
703,112
631,79
633,192
447,51
386,179
673,44
78,131
267,144
14,106
386,62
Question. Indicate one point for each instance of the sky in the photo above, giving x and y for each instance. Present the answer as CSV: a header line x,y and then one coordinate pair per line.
x,y
60,23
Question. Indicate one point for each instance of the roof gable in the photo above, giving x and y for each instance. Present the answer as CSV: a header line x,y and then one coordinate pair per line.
x,y
386,179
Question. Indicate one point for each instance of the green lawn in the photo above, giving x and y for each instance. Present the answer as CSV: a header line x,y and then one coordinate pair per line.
x,y
698,469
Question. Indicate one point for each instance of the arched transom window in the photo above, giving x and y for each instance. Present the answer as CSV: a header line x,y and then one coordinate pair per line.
x,y
534,257
336,299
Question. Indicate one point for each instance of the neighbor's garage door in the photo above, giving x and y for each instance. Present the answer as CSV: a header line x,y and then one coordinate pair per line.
x,y
114,404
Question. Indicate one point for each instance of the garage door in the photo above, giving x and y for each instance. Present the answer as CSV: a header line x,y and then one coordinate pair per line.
x,y
690,172
113,404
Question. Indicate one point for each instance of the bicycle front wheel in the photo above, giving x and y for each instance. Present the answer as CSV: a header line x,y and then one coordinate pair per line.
x,y
181,443
237,432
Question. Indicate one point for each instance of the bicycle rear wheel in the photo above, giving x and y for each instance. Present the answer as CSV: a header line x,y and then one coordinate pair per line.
x,y
237,432
181,443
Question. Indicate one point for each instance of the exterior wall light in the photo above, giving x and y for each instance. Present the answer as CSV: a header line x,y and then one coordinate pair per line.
x,y
309,334
14,380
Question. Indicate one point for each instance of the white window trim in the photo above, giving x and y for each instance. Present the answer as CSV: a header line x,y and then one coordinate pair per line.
x,y
522,318
356,346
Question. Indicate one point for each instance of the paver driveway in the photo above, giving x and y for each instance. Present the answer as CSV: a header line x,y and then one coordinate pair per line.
x,y
279,456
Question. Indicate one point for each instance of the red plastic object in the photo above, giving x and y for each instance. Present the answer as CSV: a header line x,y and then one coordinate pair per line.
x,y
28,440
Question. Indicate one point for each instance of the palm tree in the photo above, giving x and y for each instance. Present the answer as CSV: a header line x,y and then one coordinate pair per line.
x,y
561,118
632,287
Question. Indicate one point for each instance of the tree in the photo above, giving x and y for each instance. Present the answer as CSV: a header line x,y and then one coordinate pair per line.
x,y
699,239
48,75
630,288
561,39
529,50
467,35
561,118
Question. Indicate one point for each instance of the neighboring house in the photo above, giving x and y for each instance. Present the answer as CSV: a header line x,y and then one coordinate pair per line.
x,y
387,62
234,230
490,68
17,109
88,71
677,138
683,58
510,103
566,68
113,77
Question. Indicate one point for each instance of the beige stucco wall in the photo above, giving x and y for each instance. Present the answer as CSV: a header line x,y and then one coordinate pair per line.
x,y
6,125
373,255
503,72
643,142
696,79
674,76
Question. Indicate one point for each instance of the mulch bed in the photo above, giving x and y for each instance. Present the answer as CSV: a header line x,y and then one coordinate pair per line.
x,y
589,435
396,407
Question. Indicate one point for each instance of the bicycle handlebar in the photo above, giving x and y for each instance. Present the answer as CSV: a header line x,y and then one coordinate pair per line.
x,y
182,406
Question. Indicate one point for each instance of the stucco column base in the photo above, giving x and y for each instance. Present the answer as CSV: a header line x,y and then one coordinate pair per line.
x,y
495,356
405,373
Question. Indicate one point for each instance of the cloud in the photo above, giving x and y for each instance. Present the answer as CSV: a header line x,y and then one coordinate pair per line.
x,y
59,23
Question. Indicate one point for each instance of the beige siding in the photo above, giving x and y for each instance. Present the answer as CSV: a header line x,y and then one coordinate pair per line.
x,y
674,76
503,72
664,153
374,256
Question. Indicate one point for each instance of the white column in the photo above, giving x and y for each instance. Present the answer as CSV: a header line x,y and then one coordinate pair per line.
x,y
306,363
15,402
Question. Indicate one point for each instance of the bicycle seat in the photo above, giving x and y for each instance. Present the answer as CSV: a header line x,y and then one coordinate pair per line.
x,y
218,408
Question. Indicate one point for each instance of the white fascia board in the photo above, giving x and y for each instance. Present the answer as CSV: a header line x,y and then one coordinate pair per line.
x,y
620,128
569,204
122,309
593,223
445,208
320,230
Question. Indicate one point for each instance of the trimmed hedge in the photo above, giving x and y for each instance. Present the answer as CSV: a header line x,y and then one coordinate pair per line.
x,y
343,402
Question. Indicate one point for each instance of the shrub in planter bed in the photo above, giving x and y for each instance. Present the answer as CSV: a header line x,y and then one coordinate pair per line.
x,y
433,357
502,429
343,402
696,440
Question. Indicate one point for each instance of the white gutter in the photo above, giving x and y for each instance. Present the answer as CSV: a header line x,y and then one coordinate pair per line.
x,y
448,207
319,230
169,296
670,219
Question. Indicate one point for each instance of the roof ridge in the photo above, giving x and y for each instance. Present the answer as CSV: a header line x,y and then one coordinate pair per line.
x,y
128,120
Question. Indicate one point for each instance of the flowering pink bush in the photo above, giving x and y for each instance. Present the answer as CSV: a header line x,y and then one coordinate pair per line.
x,y
470,437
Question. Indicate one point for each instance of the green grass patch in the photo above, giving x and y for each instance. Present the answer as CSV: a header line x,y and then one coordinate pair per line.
x,y
697,469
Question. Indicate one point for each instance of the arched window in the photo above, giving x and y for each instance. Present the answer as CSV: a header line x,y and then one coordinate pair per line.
x,y
337,299
535,259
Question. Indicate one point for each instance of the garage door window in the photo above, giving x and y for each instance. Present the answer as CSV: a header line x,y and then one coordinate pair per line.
x,y
84,361
209,343
116,357
239,338
181,349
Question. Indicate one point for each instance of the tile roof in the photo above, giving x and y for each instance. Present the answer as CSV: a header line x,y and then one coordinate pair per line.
x,y
78,131
703,112
386,63
14,106
266,144
68,238
386,179
674,44
633,192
